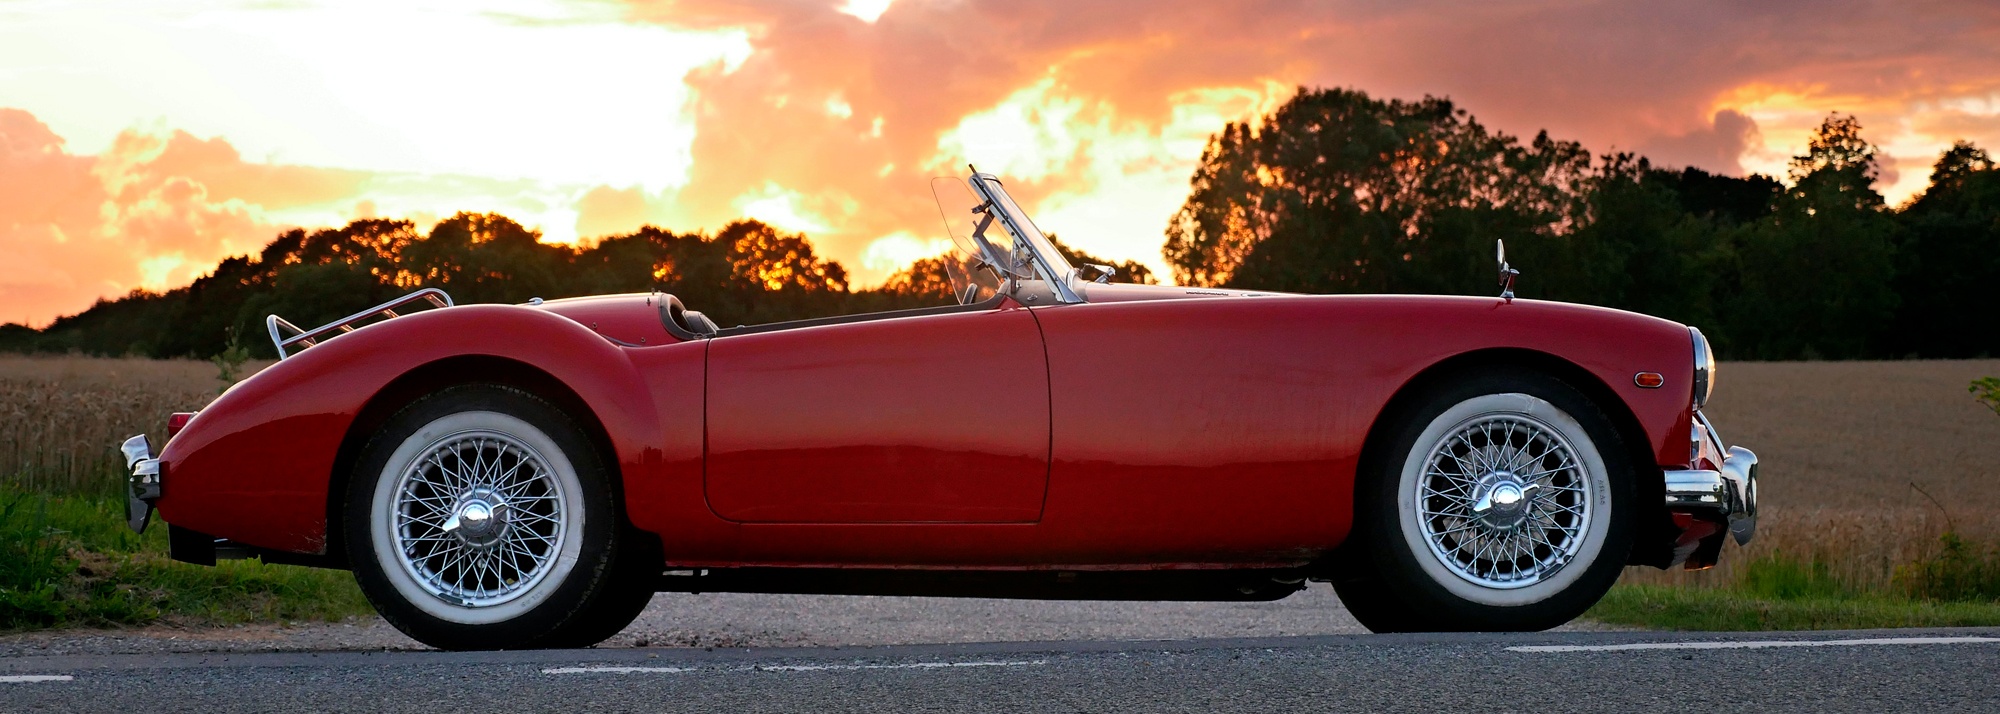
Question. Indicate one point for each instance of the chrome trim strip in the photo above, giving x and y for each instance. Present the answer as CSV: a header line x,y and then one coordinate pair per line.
x,y
1704,368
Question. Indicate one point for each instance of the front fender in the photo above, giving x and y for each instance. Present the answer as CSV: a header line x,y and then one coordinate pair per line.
x,y
255,466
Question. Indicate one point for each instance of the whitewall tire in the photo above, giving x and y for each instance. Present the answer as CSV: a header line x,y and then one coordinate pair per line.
x,y
484,517
1493,500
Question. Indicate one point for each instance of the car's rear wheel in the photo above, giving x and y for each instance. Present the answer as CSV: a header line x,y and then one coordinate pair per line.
x,y
1498,501
482,517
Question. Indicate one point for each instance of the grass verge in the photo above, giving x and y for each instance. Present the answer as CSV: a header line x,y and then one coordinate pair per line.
x,y
1959,586
70,561
1723,610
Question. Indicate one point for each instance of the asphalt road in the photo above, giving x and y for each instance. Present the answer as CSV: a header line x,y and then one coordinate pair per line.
x,y
1902,670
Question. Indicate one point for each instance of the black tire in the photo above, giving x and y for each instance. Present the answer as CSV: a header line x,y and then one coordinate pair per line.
x,y
1408,565
524,525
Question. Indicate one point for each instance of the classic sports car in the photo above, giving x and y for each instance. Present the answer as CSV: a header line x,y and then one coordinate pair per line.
x,y
519,476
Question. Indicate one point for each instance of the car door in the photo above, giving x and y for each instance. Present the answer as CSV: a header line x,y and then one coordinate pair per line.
x,y
937,417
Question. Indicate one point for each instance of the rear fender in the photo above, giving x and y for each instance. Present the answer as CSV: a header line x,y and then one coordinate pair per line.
x,y
257,466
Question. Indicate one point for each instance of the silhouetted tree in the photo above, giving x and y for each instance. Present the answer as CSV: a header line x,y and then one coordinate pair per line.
x,y
1333,192
1949,261
1339,192
1816,273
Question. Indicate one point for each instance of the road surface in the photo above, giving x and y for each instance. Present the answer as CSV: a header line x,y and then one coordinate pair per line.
x,y
1876,671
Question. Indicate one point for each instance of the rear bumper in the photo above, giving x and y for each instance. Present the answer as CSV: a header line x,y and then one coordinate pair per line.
x,y
142,481
1727,492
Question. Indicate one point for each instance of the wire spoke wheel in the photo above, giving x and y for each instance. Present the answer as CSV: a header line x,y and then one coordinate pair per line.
x,y
479,519
1503,501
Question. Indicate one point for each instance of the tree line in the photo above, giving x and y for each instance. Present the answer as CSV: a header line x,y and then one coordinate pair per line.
x,y
1333,192
1338,192
746,273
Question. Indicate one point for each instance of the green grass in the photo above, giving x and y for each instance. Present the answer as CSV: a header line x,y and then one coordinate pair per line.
x,y
70,561
1958,587
1721,610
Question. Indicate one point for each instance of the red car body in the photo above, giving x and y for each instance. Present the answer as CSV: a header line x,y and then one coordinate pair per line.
x,y
1150,428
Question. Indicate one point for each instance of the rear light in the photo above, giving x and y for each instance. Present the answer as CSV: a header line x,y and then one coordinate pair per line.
x,y
178,421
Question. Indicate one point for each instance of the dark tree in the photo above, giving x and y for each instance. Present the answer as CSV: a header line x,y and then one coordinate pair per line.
x,y
1339,192
1950,262
1816,274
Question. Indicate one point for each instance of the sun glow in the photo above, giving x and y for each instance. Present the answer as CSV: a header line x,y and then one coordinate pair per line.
x,y
1122,178
867,10
526,89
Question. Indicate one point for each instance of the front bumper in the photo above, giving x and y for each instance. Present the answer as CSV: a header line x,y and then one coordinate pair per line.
x,y
142,482
1727,492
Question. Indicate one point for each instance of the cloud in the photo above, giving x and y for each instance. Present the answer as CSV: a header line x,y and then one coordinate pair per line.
x,y
583,117
1718,147
1098,110
77,228
605,211
156,210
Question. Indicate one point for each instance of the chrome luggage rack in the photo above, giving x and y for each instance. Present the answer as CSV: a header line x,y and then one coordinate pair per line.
x,y
308,338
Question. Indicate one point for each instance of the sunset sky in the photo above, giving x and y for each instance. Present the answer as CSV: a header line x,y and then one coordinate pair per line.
x,y
143,140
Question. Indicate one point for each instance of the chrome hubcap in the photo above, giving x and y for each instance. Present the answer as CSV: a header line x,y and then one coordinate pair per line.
x,y
479,519
1503,501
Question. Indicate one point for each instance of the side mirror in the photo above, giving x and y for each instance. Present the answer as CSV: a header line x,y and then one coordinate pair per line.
x,y
1104,272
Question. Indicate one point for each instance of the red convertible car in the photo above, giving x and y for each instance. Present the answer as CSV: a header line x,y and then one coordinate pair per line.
x,y
524,476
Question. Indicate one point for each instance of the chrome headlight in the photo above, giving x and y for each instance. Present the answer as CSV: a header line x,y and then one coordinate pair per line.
x,y
1704,368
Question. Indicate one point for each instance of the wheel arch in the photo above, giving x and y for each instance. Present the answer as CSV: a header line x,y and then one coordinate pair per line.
x,y
453,371
1655,526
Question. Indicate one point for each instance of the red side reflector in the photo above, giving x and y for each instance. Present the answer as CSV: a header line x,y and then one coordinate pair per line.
x,y
1649,380
176,422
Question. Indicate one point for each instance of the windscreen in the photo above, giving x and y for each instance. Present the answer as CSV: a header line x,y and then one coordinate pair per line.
x,y
974,269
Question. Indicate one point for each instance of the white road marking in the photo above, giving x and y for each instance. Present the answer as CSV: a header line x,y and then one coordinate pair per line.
x,y
791,667
27,678
616,670
913,665
1755,644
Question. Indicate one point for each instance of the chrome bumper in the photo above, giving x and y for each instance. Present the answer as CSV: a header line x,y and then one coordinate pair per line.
x,y
143,479
1730,492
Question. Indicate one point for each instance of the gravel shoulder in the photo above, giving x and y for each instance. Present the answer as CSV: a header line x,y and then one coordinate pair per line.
x,y
746,620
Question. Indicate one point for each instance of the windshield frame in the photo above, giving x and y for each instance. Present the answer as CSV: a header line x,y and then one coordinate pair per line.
x,y
1055,269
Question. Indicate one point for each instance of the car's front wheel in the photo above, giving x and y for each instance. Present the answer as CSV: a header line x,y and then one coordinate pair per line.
x,y
1499,501
481,517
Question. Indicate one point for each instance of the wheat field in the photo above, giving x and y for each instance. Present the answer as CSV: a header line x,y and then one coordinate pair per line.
x,y
62,418
1845,448
1846,452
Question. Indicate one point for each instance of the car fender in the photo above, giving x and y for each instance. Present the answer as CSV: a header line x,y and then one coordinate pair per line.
x,y
256,465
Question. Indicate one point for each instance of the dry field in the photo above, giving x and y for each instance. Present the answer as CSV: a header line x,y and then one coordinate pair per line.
x,y
1841,442
1843,449
61,418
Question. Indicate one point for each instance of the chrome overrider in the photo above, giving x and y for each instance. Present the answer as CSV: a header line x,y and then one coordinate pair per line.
x,y
143,474
1729,492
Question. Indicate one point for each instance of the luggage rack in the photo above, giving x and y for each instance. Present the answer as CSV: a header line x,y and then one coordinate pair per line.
x,y
308,338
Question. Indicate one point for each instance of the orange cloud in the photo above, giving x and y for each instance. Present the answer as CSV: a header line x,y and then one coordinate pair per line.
x,y
150,212
1095,111
1087,105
